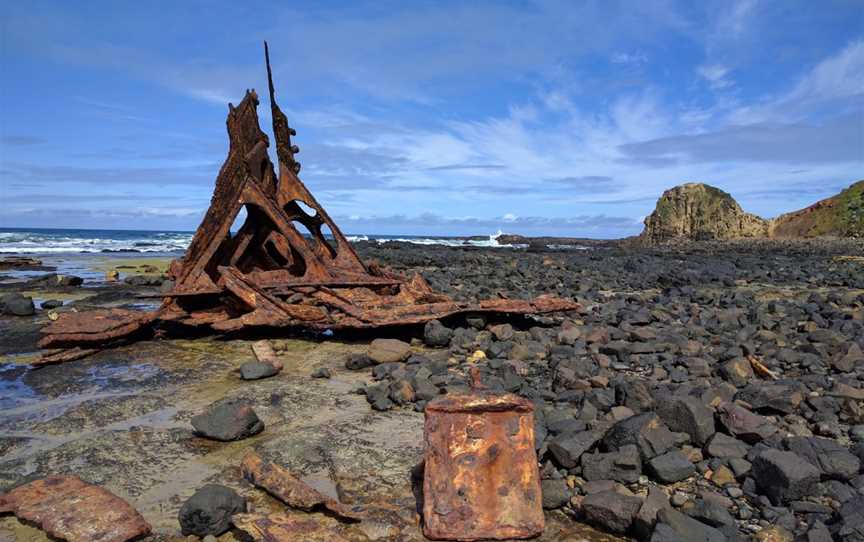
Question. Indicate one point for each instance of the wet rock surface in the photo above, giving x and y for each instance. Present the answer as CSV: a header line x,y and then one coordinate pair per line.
x,y
655,368
228,420
209,510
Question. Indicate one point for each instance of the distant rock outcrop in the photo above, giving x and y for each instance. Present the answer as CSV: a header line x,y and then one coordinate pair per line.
x,y
841,216
696,211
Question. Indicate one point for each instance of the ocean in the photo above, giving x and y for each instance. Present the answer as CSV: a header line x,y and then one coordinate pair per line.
x,y
34,241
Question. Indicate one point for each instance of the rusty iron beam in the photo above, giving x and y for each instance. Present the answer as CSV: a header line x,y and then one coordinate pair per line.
x,y
68,508
284,527
279,482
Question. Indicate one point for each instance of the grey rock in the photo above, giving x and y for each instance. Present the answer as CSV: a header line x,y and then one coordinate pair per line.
x,y
623,465
568,448
784,476
647,431
646,518
737,372
819,533
852,515
51,304
321,372
379,396
743,424
739,466
772,397
688,415
388,350
723,446
56,280
255,370
356,362
673,526
435,334
476,321
847,362
711,513
611,511
209,511
15,304
228,420
556,494
832,459
670,467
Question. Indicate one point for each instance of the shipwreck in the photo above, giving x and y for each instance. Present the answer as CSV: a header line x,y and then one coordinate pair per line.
x,y
268,274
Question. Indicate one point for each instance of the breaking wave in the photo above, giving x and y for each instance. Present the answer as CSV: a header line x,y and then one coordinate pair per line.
x,y
71,241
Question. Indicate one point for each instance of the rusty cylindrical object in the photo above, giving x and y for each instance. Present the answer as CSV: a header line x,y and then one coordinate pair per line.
x,y
481,479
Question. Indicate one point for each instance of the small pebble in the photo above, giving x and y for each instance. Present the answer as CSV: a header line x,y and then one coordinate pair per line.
x,y
321,372
679,499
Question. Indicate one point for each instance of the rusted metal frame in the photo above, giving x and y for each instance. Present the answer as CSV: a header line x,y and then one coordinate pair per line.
x,y
314,267
259,300
98,328
70,509
269,258
481,479
292,188
229,184
279,482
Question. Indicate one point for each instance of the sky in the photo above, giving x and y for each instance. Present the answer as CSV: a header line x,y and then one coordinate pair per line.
x,y
432,118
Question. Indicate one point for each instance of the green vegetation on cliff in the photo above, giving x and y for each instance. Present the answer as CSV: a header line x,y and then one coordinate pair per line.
x,y
839,216
700,211
697,211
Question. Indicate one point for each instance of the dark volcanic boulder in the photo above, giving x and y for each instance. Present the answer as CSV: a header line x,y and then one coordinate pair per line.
x,y
356,362
647,431
673,526
555,493
255,370
228,420
568,448
723,446
670,467
209,511
53,280
611,510
435,334
743,424
784,476
832,459
688,415
16,304
623,465
775,397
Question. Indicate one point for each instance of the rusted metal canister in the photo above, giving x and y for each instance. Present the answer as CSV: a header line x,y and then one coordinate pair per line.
x,y
481,479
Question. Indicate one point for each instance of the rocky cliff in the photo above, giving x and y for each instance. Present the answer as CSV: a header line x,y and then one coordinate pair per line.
x,y
697,211
840,216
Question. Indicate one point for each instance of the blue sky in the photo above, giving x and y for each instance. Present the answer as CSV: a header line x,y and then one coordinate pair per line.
x,y
556,118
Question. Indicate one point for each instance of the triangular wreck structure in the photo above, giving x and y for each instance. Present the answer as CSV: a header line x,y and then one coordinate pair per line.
x,y
269,274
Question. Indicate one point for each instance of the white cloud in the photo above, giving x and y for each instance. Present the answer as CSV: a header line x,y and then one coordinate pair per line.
x,y
629,58
836,79
715,74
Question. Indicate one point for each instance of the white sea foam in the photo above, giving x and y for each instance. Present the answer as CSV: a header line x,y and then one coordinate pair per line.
x,y
91,241
98,241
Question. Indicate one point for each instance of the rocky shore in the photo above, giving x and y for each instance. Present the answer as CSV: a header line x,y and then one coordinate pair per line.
x,y
707,391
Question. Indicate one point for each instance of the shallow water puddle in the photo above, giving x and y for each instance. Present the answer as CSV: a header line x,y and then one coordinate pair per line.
x,y
14,392
21,400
